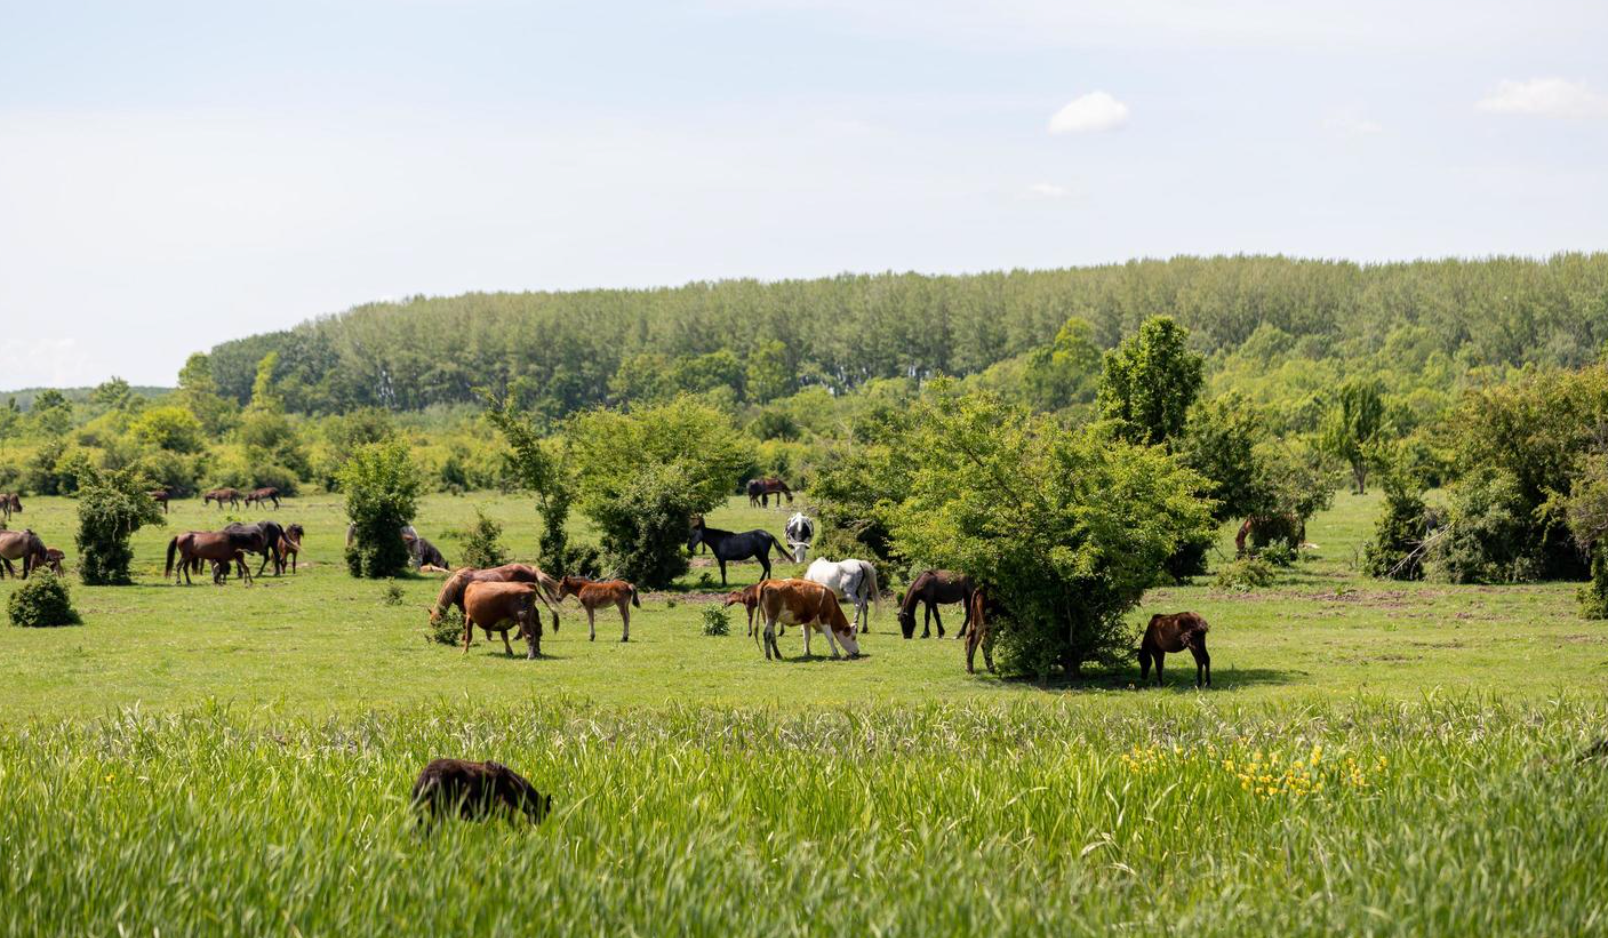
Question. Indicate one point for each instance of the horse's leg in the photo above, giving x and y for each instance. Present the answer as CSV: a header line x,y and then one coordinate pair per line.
x,y
625,617
245,568
1160,656
1144,665
966,620
1203,661
971,651
764,563
468,632
938,618
722,561
926,619
591,623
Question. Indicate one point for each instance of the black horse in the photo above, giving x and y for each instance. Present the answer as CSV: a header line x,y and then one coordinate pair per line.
x,y
726,545
260,538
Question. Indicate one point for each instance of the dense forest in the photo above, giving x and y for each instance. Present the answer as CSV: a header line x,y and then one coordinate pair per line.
x,y
555,353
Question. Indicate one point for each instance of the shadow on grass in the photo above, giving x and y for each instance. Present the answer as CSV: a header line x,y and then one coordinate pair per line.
x,y
1177,679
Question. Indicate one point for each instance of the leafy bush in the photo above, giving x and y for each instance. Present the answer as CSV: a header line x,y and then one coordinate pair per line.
x,y
482,544
112,505
1594,595
1246,573
1278,555
716,620
382,491
1486,539
447,630
1149,383
1399,534
41,602
540,470
645,531
393,595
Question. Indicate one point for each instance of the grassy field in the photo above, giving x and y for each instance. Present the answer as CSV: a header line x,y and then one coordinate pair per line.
x,y
1375,759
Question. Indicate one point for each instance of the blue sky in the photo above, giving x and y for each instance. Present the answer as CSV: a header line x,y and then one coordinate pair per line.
x,y
176,174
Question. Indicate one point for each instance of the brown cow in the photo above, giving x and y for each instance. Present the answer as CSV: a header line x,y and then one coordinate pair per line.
x,y
496,607
473,790
594,593
1175,633
452,590
806,604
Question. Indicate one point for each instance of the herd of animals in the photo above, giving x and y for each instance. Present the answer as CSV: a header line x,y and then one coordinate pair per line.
x,y
511,597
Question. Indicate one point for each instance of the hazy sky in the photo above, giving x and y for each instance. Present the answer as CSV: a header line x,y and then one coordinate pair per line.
x,y
177,174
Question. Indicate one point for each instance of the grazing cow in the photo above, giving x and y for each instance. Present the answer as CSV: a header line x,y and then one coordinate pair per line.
x,y
1175,633
934,587
497,607
853,580
980,611
800,534
232,496
290,542
474,790
453,589
809,605
262,495
594,593
9,502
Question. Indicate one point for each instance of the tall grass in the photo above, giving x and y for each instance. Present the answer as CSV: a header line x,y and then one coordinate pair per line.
x,y
1462,816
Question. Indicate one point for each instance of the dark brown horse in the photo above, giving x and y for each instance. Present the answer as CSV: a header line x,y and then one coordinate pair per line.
x,y
935,588
21,545
221,547
452,591
261,537
232,496
160,496
1175,633
263,495
760,491
9,502
474,790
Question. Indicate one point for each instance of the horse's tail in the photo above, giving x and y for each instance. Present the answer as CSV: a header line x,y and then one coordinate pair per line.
x,y
173,547
871,582
780,547
634,600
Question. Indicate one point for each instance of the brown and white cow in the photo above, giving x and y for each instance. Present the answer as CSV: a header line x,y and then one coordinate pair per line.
x,y
811,606
496,607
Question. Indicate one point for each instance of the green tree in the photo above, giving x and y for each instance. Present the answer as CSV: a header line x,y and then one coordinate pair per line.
x,y
199,392
1222,444
642,475
113,394
1587,510
112,505
1150,382
51,413
1355,428
770,373
1067,530
381,485
174,429
1067,371
1397,551
541,471
263,395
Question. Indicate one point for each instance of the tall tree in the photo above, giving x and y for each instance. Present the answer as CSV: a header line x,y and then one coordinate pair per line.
x,y
1354,430
1150,382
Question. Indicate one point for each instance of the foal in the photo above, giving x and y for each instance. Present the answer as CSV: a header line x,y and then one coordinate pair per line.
x,y
1175,633
594,593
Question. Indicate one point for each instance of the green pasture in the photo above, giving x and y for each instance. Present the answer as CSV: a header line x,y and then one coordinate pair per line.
x,y
1375,758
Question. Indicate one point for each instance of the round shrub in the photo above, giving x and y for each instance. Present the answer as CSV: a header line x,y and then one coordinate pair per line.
x,y
716,621
1247,573
42,602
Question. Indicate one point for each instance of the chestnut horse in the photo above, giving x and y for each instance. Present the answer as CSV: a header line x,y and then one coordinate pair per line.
x,y
232,496
24,546
9,502
760,491
935,587
221,547
979,610
594,593
160,496
289,547
265,494
452,591
1175,633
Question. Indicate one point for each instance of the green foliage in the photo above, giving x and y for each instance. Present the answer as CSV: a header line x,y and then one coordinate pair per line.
x,y
381,485
1150,382
41,602
393,594
716,620
1222,444
770,373
1397,550
51,413
198,392
112,505
1355,429
540,470
1067,530
642,475
447,630
1066,372
1245,574
1594,595
1485,538
173,429
114,394
482,544
263,397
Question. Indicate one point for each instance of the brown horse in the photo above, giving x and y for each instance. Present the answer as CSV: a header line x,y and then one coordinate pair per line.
x,y
262,495
221,547
261,537
760,491
9,502
1175,633
594,593
53,560
748,598
935,587
232,496
289,548
160,496
452,591
21,545
980,635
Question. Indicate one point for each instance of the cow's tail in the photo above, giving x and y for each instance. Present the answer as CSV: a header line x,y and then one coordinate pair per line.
x,y
634,600
173,547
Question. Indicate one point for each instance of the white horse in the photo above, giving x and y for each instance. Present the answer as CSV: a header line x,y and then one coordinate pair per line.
x,y
852,580
800,533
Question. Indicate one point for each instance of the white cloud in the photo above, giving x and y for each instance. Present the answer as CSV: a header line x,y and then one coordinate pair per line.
x,y
1095,112
1048,190
1546,97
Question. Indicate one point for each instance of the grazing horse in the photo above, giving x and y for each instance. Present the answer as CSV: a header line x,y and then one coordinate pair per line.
x,y
21,545
264,494
1175,633
9,502
935,587
220,547
289,547
760,491
594,593
452,591
725,545
263,538
810,606
232,496
800,533
981,610
160,496
853,580
748,598
53,560
474,790
497,606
